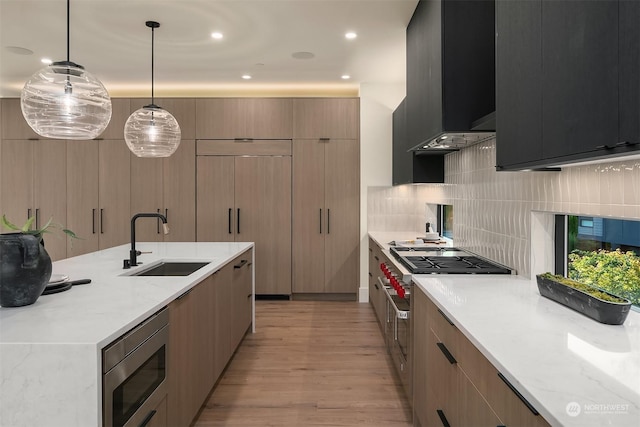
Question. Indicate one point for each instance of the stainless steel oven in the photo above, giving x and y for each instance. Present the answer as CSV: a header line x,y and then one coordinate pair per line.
x,y
135,375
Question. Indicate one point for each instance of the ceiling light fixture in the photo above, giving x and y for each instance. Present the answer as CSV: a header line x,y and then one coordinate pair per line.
x,y
46,61
246,76
63,101
217,35
152,131
346,77
350,35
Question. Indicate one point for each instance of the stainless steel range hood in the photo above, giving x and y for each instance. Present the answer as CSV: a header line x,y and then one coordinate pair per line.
x,y
481,130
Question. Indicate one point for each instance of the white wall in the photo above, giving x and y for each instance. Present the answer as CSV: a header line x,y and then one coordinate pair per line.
x,y
377,102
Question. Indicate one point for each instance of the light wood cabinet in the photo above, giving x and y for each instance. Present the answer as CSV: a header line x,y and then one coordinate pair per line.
x,y
98,192
257,118
14,126
336,118
377,294
34,184
203,335
326,212
248,199
120,112
166,186
454,381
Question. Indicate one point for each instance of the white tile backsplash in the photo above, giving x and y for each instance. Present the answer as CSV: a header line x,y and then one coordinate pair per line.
x,y
492,210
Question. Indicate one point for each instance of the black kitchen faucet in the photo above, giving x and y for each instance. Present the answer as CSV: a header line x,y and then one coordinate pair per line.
x,y
133,253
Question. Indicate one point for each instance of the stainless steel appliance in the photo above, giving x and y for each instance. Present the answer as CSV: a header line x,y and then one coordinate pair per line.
x,y
445,260
134,373
420,260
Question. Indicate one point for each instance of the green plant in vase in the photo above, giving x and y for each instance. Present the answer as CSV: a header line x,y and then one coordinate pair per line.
x,y
49,227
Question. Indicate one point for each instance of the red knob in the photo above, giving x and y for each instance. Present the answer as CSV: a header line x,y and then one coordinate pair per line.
x,y
401,292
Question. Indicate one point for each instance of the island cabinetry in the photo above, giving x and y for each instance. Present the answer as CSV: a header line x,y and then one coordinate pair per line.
x,y
246,197
333,118
166,186
98,180
244,118
33,180
326,215
454,384
204,331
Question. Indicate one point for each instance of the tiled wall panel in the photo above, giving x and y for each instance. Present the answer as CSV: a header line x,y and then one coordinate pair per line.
x,y
492,210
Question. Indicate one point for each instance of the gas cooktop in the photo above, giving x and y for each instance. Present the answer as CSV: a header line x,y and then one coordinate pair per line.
x,y
445,260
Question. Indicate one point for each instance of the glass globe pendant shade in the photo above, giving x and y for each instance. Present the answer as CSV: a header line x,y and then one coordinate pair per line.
x,y
152,131
63,101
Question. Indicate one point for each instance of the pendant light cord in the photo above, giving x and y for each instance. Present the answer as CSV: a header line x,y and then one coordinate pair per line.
x,y
68,19
152,60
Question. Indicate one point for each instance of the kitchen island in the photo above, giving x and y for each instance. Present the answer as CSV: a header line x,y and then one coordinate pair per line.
x,y
50,352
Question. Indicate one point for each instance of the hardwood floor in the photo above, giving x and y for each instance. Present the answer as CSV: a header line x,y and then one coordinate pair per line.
x,y
310,363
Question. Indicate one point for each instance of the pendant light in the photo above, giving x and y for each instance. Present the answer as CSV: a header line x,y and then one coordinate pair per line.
x,y
152,131
64,101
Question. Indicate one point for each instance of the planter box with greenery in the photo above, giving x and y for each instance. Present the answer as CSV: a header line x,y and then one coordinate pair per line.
x,y
593,302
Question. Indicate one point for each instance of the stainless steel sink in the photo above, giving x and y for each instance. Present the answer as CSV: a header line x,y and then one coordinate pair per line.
x,y
171,268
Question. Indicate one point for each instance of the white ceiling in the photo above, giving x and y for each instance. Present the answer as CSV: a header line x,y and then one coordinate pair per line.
x,y
110,39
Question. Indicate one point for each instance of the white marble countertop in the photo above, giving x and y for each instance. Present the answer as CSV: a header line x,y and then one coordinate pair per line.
x,y
553,355
50,351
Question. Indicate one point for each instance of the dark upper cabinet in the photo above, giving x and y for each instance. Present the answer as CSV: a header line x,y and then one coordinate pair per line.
x,y
450,67
410,167
567,85
629,69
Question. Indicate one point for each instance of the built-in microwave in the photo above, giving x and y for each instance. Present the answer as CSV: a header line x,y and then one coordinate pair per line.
x,y
135,374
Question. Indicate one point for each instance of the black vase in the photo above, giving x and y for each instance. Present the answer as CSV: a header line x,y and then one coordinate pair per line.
x,y
25,269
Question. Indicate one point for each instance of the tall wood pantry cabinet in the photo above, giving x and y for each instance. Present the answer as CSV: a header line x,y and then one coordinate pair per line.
x,y
167,185
326,196
244,195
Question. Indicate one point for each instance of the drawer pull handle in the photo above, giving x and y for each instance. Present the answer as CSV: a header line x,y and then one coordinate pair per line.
x,y
446,318
147,419
376,285
443,348
184,294
517,393
445,422
240,264
376,258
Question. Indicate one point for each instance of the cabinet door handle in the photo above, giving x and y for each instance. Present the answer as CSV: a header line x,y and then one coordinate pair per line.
x,y
238,221
93,221
230,215
147,419
517,393
37,218
101,221
446,318
166,214
28,213
158,222
376,285
445,422
376,257
328,221
443,348
240,264
320,220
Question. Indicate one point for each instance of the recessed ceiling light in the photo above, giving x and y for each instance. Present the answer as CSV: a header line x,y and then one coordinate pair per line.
x,y
346,77
46,61
19,50
246,76
303,55
351,35
217,35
